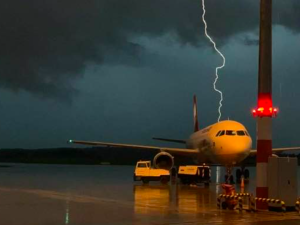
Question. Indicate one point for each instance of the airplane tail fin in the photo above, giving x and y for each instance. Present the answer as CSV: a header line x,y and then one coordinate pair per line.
x,y
196,124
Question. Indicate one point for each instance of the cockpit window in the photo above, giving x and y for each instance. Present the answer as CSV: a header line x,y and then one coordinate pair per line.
x,y
218,133
222,133
230,132
240,133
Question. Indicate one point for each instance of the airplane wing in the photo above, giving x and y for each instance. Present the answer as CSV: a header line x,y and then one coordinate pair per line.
x,y
170,140
277,150
181,151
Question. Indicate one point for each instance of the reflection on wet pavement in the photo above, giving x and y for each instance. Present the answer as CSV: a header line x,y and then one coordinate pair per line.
x,y
94,196
179,204
167,198
151,199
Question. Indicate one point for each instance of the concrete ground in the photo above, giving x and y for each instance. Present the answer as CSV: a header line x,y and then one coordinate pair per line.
x,y
151,205
82,196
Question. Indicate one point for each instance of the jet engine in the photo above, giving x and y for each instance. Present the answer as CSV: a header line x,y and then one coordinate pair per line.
x,y
163,160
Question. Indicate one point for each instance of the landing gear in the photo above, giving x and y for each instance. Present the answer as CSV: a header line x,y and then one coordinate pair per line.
x,y
228,177
242,173
246,174
239,174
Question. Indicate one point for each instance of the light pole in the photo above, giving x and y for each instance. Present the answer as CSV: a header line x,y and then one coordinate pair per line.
x,y
264,111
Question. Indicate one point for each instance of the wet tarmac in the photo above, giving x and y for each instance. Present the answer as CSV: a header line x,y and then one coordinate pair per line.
x,y
77,195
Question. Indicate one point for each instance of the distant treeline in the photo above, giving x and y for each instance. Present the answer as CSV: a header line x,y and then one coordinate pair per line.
x,y
99,155
90,156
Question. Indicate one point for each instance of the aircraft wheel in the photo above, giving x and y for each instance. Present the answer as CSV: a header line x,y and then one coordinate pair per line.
x,y
246,174
226,179
164,180
231,180
145,181
238,174
193,182
182,180
188,181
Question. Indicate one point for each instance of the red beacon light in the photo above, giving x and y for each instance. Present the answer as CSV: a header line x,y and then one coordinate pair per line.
x,y
265,112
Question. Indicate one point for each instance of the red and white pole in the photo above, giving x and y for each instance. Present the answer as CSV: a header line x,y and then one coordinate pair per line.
x,y
265,106
264,151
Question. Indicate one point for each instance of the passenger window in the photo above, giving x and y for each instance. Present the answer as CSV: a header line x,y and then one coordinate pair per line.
x,y
240,133
218,133
222,133
230,132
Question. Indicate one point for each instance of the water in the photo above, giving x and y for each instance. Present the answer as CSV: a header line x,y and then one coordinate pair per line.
x,y
61,194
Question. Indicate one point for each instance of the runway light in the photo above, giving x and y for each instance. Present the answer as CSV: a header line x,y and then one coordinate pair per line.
x,y
70,141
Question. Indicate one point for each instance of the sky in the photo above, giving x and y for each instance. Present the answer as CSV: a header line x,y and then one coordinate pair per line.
x,y
126,71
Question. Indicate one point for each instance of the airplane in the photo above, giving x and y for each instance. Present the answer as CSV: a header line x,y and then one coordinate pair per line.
x,y
225,143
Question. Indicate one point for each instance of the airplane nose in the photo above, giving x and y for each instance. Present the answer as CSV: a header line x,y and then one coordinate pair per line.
x,y
244,146
241,146
249,144
234,151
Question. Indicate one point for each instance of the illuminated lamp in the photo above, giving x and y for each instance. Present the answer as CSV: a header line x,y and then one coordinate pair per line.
x,y
263,112
254,113
264,106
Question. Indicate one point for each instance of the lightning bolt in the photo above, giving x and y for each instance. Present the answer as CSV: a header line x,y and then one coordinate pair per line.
x,y
217,68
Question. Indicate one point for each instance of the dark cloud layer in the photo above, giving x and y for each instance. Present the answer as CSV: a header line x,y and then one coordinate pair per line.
x,y
45,45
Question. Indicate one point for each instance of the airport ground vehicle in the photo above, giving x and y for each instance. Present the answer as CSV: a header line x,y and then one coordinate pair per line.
x,y
194,174
145,173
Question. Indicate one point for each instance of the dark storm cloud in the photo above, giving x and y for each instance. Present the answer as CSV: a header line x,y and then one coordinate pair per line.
x,y
45,45
287,13
250,41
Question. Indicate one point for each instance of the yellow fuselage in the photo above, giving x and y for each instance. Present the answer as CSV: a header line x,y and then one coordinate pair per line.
x,y
226,148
